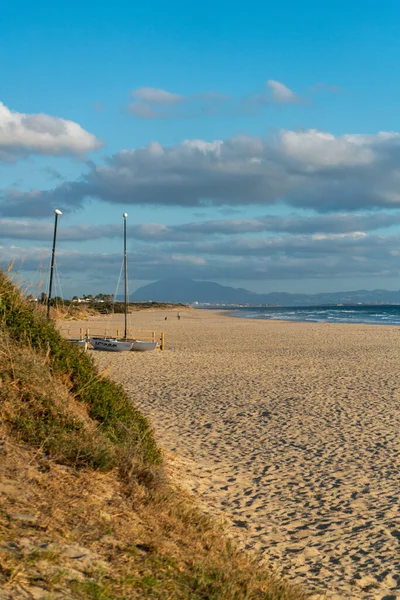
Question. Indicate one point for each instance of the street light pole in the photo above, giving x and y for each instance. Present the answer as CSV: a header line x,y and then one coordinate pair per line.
x,y
125,280
57,213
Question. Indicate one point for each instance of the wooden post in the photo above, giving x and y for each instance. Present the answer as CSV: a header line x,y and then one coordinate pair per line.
x,y
80,333
153,336
162,345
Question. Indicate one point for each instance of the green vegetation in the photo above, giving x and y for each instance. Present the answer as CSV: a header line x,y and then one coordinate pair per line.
x,y
119,307
84,478
106,402
41,413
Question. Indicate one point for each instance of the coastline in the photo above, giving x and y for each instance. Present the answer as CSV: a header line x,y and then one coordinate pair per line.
x,y
286,430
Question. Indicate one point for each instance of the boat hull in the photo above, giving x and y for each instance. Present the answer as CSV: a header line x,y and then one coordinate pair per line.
x,y
110,345
143,346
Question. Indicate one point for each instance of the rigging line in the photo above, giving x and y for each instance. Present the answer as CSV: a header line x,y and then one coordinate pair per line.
x,y
58,282
118,283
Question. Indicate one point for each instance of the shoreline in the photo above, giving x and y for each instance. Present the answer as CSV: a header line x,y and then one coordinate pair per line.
x,y
286,430
236,314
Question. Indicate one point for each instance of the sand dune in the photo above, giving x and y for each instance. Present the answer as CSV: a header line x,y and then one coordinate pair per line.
x,y
288,430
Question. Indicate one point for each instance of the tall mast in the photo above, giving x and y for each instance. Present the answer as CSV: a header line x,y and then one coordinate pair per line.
x,y
125,279
57,213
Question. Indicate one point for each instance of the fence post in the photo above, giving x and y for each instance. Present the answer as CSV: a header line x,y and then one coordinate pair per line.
x,y
162,345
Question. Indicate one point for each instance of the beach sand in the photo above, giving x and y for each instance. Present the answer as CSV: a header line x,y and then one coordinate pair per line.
x,y
289,431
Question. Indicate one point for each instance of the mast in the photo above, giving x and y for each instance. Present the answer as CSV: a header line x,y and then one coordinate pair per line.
x,y
57,213
125,280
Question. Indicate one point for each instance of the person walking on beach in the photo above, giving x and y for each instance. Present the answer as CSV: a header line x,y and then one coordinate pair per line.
x,y
179,317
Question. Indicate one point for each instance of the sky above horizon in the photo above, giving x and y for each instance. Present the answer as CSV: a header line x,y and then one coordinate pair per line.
x,y
256,145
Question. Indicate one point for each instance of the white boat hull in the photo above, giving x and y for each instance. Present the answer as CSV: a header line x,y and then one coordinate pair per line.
x,y
110,345
143,346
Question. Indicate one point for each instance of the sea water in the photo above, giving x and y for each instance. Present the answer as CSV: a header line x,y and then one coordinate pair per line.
x,y
373,315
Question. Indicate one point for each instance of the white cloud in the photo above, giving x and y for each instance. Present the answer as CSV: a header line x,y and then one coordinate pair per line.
x,y
156,103
275,93
203,147
22,134
318,148
281,94
144,111
157,96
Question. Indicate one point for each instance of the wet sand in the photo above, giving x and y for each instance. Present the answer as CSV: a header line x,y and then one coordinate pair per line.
x,y
289,431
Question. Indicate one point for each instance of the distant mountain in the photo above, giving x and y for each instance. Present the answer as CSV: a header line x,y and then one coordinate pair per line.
x,y
189,291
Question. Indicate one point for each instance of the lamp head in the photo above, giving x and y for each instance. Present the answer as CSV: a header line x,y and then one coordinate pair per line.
x,y
125,215
57,212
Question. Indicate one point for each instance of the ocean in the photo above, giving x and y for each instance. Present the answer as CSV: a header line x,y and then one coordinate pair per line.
x,y
373,315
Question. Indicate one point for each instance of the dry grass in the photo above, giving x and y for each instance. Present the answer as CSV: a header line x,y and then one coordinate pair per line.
x,y
89,538
73,312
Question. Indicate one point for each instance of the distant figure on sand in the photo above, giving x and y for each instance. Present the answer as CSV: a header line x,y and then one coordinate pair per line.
x,y
179,317
166,318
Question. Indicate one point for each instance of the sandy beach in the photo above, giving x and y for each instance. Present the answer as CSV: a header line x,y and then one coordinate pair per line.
x,y
289,431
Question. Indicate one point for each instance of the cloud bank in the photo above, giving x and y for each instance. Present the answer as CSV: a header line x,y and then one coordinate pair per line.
x,y
340,256
340,245
303,169
337,224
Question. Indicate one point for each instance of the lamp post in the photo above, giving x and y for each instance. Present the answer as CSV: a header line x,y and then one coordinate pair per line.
x,y
125,280
57,213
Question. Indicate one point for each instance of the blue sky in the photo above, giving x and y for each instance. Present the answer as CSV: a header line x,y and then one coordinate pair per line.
x,y
242,140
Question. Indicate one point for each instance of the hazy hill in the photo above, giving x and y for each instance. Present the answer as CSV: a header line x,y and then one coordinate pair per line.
x,y
192,291
188,291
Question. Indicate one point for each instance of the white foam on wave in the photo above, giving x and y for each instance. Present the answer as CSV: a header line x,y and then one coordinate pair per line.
x,y
388,316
